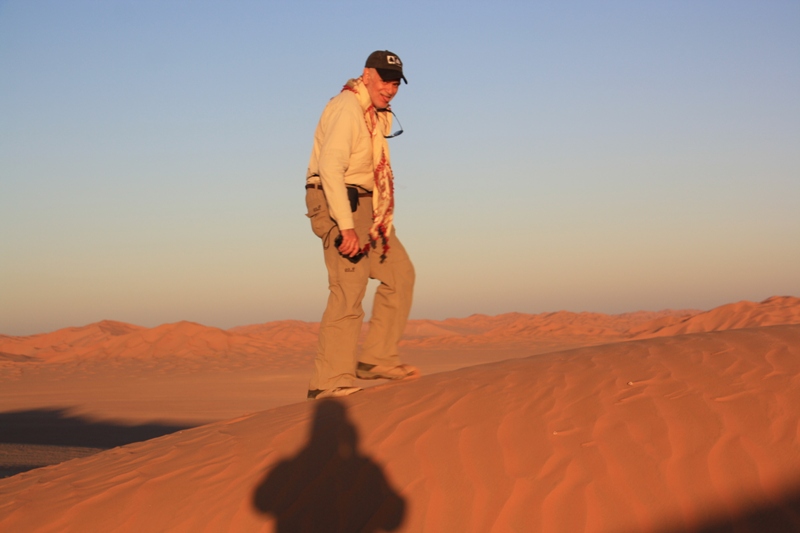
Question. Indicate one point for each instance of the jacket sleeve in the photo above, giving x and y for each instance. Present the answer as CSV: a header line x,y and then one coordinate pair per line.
x,y
340,136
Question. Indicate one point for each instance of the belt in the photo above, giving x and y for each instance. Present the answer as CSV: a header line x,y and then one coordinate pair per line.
x,y
361,193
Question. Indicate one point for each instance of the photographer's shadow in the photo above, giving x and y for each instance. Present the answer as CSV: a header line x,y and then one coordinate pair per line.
x,y
328,486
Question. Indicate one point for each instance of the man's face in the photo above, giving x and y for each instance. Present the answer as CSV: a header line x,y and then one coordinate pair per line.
x,y
380,92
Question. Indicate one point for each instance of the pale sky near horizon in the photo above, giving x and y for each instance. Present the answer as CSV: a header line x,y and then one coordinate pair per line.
x,y
586,156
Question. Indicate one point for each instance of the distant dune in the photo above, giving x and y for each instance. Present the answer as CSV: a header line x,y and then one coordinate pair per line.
x,y
116,339
771,312
558,422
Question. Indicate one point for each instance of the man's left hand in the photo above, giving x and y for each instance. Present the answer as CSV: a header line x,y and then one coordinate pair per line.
x,y
349,246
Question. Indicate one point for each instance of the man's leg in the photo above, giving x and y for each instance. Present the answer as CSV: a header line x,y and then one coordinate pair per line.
x,y
392,305
335,362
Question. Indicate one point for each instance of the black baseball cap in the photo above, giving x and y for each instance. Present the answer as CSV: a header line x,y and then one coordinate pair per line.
x,y
387,64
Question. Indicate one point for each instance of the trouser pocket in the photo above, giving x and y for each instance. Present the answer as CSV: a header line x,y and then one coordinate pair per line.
x,y
321,221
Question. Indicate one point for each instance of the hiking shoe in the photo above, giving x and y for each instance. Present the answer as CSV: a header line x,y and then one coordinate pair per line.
x,y
338,392
365,371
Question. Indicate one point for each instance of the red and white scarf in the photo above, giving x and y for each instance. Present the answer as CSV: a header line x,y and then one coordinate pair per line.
x,y
378,125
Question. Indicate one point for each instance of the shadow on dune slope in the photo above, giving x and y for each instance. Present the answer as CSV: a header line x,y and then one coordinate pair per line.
x,y
50,436
329,485
782,516
56,427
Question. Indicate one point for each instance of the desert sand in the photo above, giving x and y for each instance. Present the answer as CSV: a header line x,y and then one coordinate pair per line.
x,y
559,422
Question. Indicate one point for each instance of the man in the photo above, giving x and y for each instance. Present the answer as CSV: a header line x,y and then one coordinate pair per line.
x,y
350,200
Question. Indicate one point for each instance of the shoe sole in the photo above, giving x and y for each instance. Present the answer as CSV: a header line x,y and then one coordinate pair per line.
x,y
366,374
338,392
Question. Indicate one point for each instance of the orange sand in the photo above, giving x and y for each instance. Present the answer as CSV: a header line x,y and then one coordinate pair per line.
x,y
560,422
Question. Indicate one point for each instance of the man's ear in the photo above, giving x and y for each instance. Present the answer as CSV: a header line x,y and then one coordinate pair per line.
x,y
367,75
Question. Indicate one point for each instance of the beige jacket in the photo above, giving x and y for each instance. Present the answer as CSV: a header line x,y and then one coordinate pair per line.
x,y
342,154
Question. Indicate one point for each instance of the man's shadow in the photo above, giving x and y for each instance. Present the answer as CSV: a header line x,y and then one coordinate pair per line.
x,y
329,486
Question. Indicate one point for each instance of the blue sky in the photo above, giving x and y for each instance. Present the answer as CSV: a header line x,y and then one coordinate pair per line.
x,y
586,156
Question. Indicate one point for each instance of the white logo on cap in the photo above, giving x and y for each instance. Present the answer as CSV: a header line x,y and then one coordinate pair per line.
x,y
394,60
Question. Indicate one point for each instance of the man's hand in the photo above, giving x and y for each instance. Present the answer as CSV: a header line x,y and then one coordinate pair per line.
x,y
349,246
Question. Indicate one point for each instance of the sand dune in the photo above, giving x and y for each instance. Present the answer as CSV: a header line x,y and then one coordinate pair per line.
x,y
556,422
181,339
116,339
64,340
771,312
516,327
664,434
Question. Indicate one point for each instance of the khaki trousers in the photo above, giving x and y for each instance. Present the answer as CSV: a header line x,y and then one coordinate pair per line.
x,y
336,359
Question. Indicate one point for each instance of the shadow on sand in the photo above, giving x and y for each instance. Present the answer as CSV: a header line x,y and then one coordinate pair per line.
x,y
329,486
55,427
782,516
63,434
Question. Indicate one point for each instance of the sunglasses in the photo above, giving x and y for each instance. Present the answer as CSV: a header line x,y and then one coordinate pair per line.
x,y
398,132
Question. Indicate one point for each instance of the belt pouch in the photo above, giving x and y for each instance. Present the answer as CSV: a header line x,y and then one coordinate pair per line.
x,y
352,195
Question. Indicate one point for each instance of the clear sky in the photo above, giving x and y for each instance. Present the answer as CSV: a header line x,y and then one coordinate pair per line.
x,y
603,156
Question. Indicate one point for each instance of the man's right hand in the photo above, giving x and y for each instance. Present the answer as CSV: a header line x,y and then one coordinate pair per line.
x,y
349,246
